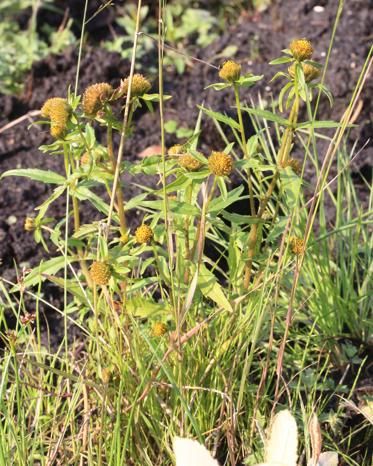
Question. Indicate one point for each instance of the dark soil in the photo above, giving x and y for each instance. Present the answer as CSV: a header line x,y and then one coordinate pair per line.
x,y
258,38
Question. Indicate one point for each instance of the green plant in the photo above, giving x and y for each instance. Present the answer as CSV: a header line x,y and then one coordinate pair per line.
x,y
21,48
172,338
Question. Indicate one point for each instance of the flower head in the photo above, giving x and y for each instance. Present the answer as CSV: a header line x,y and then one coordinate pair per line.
x,y
140,85
189,162
301,49
159,329
30,224
310,72
230,71
144,234
95,96
100,273
57,110
297,245
220,164
177,149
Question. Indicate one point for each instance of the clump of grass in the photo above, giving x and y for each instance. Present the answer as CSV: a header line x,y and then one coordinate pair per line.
x,y
170,341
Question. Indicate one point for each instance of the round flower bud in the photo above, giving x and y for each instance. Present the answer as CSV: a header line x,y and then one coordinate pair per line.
x,y
297,245
301,49
230,71
140,85
310,72
57,110
189,162
100,273
29,224
94,97
177,149
220,164
144,234
159,329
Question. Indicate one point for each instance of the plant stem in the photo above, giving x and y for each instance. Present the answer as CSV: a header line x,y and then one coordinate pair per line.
x,y
76,214
244,148
119,192
282,158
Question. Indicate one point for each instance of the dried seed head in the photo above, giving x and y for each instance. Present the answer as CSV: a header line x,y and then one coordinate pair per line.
x,y
294,164
220,164
95,96
310,72
100,273
297,245
144,234
140,85
30,224
189,162
159,329
301,49
57,110
177,149
230,71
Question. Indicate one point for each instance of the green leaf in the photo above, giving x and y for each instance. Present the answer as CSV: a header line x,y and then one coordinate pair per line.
x,y
49,267
45,176
291,184
176,207
210,288
146,308
281,60
221,202
84,194
248,80
320,124
154,97
218,86
267,115
220,117
239,219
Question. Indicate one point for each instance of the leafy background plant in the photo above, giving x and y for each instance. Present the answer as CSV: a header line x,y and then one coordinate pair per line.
x,y
83,399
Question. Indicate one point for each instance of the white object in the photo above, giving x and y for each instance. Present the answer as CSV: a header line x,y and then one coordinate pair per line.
x,y
191,453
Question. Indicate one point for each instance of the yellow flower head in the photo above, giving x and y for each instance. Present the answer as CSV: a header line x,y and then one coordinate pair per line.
x,y
144,234
297,245
29,224
189,162
177,149
140,85
57,110
95,96
220,164
301,49
159,329
100,273
310,72
105,375
230,71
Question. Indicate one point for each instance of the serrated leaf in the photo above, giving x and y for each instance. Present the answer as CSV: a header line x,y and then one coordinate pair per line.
x,y
45,176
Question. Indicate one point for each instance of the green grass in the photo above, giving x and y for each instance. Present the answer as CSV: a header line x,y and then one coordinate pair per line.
x,y
242,342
